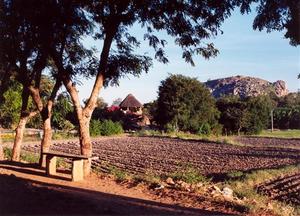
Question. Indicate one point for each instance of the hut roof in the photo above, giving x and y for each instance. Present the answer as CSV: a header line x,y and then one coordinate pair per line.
x,y
130,101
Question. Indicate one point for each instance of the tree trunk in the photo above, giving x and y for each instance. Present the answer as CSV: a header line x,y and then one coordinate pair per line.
x,y
24,116
46,113
83,116
16,152
46,140
85,143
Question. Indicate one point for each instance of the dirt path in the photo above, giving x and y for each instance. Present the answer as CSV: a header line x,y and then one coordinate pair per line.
x,y
25,190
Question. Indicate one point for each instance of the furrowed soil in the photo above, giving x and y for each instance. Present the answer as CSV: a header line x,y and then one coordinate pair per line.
x,y
285,188
168,155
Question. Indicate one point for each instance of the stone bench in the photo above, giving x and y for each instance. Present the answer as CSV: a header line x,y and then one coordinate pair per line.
x,y
77,164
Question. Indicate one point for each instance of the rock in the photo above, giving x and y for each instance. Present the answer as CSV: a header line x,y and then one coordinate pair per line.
x,y
199,185
160,187
186,186
216,188
183,185
244,86
170,181
227,191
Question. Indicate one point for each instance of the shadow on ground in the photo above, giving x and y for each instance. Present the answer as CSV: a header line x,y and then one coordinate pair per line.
x,y
20,196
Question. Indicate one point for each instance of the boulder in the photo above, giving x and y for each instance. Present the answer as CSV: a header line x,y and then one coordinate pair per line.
x,y
245,86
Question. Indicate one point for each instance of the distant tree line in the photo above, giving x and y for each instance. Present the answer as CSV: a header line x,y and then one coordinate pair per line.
x,y
187,105
183,104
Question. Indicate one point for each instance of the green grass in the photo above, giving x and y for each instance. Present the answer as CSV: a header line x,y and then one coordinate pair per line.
x,y
25,156
119,174
281,133
189,175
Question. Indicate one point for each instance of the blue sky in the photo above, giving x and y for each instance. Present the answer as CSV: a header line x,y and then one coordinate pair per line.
x,y
243,51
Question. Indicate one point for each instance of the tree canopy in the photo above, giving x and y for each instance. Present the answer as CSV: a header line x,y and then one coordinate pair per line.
x,y
185,104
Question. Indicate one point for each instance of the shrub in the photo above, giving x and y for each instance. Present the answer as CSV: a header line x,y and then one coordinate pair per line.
x,y
95,127
204,129
109,127
189,175
105,128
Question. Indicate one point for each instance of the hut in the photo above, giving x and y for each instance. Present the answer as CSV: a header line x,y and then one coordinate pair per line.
x,y
130,105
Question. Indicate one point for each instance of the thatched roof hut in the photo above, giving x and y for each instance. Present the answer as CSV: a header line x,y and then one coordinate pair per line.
x,y
130,103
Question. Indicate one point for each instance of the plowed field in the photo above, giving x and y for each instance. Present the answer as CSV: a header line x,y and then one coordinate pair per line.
x,y
269,142
285,188
165,155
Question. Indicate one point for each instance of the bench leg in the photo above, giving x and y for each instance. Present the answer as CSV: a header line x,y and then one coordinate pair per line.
x,y
50,165
77,170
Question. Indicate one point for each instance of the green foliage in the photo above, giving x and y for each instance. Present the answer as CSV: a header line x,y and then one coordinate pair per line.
x,y
189,175
95,127
119,174
105,128
109,127
250,115
259,109
204,129
150,109
10,109
287,113
185,104
62,108
57,135
7,153
29,157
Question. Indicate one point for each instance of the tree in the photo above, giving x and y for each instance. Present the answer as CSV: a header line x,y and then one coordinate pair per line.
x,y
25,34
249,115
185,104
287,112
234,115
279,15
150,110
259,109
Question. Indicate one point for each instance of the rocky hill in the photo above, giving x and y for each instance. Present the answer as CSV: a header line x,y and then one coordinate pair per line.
x,y
245,86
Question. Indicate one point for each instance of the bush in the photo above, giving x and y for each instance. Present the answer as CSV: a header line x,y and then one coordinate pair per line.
x,y
204,129
95,127
105,128
109,127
